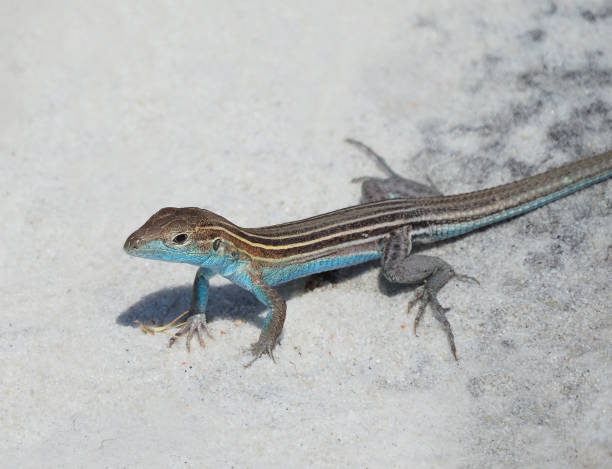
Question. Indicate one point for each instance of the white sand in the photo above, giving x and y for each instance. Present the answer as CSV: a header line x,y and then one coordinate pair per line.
x,y
109,113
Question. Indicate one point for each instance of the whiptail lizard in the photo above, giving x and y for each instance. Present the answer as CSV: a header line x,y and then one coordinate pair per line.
x,y
395,214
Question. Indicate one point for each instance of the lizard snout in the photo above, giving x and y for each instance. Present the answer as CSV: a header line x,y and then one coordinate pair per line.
x,y
132,243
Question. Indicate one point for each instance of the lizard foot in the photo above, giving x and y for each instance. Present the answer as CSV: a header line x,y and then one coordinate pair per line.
x,y
259,348
194,326
424,296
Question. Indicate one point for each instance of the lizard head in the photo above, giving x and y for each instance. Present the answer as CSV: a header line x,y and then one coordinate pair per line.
x,y
175,235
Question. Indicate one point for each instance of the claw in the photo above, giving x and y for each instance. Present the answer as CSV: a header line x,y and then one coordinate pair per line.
x,y
467,278
425,297
258,349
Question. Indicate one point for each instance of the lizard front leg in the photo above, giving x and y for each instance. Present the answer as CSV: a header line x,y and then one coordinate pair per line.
x,y
196,322
273,323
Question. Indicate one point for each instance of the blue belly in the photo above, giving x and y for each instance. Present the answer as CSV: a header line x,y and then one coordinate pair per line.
x,y
277,275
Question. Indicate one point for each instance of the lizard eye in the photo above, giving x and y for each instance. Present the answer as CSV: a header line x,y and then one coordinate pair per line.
x,y
180,239
216,244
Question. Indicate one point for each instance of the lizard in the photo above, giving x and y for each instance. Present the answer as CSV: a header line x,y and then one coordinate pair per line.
x,y
395,213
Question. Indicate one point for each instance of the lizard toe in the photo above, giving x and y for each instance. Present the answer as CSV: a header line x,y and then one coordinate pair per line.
x,y
194,326
260,348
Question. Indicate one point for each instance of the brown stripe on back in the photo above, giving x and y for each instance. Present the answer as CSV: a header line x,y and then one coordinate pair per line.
x,y
278,252
332,228
338,216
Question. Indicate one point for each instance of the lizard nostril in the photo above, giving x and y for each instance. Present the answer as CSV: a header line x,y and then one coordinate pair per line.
x,y
131,243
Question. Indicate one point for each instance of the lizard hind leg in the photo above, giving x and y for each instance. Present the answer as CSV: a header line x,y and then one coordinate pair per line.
x,y
393,186
400,267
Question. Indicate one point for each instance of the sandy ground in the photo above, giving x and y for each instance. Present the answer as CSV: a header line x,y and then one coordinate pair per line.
x,y
110,112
